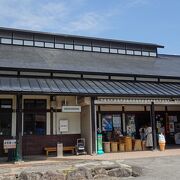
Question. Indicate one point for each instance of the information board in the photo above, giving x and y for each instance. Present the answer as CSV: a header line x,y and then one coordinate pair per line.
x,y
10,144
63,124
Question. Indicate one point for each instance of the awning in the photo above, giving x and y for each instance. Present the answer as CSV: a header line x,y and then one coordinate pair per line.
x,y
88,87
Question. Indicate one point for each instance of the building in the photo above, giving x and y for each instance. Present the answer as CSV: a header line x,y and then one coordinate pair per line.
x,y
50,79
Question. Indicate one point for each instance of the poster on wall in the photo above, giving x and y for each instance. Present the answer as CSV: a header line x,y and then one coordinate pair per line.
x,y
130,125
116,121
171,127
172,118
107,123
63,125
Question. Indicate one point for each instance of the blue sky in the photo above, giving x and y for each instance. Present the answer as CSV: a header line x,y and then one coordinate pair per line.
x,y
155,21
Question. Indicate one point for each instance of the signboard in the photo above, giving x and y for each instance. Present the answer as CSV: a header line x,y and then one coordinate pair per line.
x,y
71,108
63,124
10,144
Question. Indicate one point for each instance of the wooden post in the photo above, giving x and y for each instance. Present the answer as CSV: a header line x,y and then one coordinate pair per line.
x,y
19,127
153,125
94,125
51,115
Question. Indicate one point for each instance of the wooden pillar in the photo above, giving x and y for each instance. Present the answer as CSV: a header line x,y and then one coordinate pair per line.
x,y
94,125
51,115
19,126
153,125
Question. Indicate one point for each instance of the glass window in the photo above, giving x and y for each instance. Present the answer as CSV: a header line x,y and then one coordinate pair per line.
x,y
68,46
145,53
78,47
106,50
130,52
49,45
5,117
6,40
35,116
96,49
59,46
39,44
87,48
152,54
28,43
113,50
137,53
17,41
121,51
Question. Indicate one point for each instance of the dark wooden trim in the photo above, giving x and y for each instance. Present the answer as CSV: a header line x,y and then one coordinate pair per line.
x,y
19,125
83,72
93,123
153,125
51,116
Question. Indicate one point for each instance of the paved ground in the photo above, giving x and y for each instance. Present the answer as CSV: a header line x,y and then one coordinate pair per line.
x,y
156,165
158,168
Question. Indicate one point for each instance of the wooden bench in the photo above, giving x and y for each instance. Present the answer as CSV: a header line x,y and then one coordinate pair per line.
x,y
54,149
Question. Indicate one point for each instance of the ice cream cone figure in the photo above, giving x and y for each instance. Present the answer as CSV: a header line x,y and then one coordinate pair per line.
x,y
162,142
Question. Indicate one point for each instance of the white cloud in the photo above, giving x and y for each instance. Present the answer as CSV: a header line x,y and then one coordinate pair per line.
x,y
63,16
31,15
86,22
57,16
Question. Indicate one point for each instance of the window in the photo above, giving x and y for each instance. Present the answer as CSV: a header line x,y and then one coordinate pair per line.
x,y
130,52
59,46
137,53
68,46
113,50
96,49
145,53
28,43
39,44
5,117
106,50
78,47
6,40
152,54
17,41
35,116
121,51
49,45
87,48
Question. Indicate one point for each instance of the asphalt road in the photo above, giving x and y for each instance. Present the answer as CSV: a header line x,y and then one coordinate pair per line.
x,y
158,168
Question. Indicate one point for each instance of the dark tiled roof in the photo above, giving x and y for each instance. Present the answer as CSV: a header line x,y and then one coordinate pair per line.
x,y
56,59
88,87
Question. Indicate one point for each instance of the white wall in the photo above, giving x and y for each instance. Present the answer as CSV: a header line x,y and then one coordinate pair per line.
x,y
86,127
73,118
73,122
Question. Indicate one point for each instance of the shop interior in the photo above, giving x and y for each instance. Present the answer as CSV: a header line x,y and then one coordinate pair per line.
x,y
121,131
